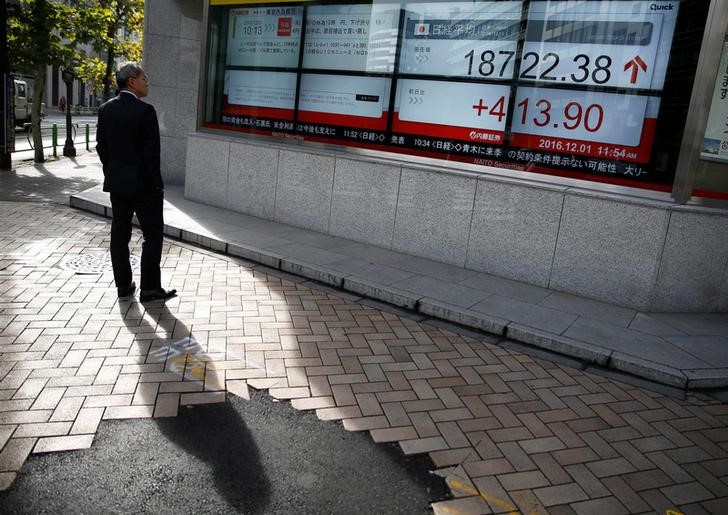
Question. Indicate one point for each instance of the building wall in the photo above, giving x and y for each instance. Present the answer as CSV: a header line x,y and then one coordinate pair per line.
x,y
172,45
646,254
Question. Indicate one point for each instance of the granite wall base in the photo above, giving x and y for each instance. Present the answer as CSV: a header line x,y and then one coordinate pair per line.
x,y
643,254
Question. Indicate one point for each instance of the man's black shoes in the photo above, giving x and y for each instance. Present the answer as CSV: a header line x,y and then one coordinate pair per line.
x,y
158,294
146,295
128,291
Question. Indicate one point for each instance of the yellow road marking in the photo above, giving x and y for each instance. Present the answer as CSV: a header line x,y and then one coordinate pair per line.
x,y
189,365
458,485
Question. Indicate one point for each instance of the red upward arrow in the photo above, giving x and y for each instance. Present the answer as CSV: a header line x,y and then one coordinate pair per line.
x,y
635,64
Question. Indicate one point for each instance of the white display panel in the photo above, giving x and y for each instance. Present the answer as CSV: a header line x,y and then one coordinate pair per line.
x,y
351,37
623,44
461,39
341,100
275,90
443,109
596,124
715,139
581,115
264,36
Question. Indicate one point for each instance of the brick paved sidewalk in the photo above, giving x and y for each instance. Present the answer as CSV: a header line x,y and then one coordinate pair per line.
x,y
510,432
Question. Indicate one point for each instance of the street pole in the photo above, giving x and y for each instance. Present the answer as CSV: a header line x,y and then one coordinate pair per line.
x,y
68,149
7,124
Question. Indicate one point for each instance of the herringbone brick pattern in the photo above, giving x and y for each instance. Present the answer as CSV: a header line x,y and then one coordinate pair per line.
x,y
509,432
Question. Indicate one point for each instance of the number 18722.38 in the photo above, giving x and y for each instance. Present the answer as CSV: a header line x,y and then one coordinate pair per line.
x,y
489,62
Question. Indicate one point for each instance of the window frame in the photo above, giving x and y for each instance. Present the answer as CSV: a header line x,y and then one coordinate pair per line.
x,y
674,191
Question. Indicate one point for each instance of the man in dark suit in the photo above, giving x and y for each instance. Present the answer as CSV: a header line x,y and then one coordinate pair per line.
x,y
127,139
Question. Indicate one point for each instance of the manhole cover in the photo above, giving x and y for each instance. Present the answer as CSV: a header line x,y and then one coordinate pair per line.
x,y
92,263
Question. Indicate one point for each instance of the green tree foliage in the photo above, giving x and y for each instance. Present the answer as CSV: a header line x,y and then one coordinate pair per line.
x,y
113,29
40,33
44,33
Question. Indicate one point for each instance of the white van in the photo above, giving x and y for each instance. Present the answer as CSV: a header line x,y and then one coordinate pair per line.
x,y
22,103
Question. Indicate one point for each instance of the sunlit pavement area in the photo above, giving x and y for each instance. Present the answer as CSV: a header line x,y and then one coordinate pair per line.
x,y
508,431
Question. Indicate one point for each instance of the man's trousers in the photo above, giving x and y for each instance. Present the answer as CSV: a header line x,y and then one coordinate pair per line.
x,y
148,208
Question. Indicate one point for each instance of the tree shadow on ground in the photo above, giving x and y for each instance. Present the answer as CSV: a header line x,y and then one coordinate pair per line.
x,y
43,186
213,433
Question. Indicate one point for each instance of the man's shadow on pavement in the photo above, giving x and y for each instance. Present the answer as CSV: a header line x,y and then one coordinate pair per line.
x,y
213,433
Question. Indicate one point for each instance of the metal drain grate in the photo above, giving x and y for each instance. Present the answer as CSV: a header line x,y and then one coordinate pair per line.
x,y
92,263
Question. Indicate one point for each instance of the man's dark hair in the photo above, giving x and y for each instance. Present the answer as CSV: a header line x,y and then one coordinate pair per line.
x,y
127,71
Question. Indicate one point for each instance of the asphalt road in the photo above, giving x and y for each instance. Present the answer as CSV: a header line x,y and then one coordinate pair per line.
x,y
253,457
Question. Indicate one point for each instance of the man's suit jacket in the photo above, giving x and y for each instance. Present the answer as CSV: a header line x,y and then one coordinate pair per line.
x,y
127,138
